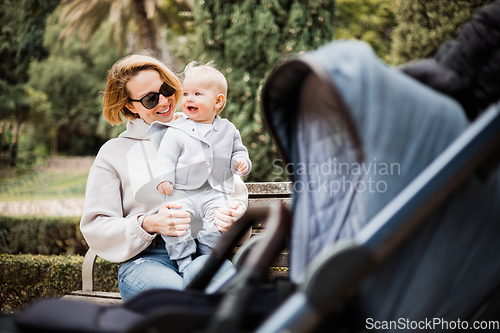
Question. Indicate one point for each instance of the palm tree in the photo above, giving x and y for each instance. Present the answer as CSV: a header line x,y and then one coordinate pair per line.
x,y
142,18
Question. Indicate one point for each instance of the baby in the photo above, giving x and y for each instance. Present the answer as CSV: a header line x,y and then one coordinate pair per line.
x,y
197,158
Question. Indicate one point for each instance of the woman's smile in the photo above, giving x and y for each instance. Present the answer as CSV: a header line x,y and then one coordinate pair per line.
x,y
164,112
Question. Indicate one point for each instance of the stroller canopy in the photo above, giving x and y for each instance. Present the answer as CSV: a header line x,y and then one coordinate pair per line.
x,y
356,132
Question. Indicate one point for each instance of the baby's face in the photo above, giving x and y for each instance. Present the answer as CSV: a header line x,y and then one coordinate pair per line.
x,y
200,99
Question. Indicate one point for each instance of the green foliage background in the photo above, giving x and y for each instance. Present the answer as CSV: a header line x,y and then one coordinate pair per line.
x,y
50,87
21,39
27,278
246,40
72,77
424,25
41,235
372,21
42,257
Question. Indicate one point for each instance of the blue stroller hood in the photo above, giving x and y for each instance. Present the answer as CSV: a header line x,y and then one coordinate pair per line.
x,y
369,125
357,133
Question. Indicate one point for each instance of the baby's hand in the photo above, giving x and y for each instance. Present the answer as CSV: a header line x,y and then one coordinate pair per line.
x,y
241,166
178,115
166,188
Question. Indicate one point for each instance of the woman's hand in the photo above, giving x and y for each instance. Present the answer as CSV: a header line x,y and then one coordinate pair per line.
x,y
224,217
167,222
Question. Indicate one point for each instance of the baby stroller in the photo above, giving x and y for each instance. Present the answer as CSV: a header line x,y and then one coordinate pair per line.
x,y
395,213
416,252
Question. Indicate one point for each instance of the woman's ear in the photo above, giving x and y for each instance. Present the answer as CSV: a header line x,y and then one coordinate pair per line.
x,y
130,107
221,100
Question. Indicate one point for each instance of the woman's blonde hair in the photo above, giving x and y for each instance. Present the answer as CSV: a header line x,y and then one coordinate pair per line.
x,y
116,95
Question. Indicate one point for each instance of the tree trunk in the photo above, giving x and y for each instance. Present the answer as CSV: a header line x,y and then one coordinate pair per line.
x,y
145,29
53,146
13,151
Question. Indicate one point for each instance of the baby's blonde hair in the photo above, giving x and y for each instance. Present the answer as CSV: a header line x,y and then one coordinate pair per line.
x,y
209,69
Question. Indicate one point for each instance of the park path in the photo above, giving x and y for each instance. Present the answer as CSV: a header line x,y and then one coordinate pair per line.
x,y
61,207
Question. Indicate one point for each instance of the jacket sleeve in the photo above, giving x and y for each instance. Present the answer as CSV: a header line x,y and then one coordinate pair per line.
x,y
240,193
241,197
239,151
108,232
167,156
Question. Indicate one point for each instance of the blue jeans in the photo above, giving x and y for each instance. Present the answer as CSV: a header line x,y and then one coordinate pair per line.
x,y
153,268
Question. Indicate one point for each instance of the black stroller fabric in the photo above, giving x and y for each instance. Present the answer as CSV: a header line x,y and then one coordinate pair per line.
x,y
357,132
179,310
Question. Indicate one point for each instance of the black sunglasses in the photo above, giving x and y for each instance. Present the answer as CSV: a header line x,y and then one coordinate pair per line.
x,y
151,100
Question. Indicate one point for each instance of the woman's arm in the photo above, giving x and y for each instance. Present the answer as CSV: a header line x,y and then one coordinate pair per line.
x,y
112,235
108,232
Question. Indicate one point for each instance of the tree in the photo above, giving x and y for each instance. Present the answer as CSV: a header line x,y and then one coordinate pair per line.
x,y
369,20
143,17
21,41
246,40
424,25
16,109
72,76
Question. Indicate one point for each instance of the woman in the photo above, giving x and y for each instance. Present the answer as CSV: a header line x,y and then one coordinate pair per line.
x,y
124,215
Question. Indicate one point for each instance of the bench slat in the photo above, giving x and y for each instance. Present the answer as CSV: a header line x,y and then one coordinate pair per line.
x,y
104,294
96,299
253,201
277,189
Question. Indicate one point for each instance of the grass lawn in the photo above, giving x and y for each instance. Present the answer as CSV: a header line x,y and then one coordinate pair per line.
x,y
51,183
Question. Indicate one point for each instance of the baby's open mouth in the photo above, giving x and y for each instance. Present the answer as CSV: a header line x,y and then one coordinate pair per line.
x,y
192,108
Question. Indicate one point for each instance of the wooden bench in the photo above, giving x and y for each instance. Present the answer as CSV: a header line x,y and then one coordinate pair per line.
x,y
257,193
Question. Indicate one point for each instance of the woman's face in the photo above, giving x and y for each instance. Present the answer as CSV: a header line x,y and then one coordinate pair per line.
x,y
143,83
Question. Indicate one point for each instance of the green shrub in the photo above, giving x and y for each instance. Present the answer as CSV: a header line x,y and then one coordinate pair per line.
x,y
27,278
41,235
